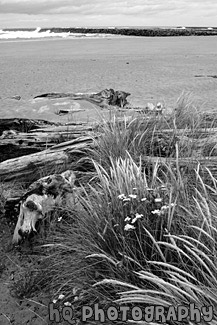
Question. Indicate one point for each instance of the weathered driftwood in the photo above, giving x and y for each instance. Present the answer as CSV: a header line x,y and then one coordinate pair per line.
x,y
10,150
16,144
44,194
67,128
104,98
42,197
46,147
23,125
31,166
65,153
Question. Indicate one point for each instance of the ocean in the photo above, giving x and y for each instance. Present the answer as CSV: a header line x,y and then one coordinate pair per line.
x,y
39,33
13,34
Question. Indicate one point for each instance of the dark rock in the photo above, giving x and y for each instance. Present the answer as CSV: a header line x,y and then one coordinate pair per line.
x,y
148,32
212,76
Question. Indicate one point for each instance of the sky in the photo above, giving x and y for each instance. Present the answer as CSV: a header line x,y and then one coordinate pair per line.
x,y
83,13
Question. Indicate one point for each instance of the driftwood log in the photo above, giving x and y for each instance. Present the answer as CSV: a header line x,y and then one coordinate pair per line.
x,y
31,148
103,98
44,194
23,125
41,198
15,144
54,190
31,166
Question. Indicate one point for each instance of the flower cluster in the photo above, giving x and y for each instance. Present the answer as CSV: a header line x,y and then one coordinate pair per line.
x,y
162,210
130,197
124,198
131,220
155,198
66,303
61,297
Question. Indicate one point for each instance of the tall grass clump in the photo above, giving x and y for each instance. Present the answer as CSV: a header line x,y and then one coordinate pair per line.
x,y
186,113
144,231
137,136
134,240
156,136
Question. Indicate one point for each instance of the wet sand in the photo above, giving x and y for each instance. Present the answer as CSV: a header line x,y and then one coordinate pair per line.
x,y
151,69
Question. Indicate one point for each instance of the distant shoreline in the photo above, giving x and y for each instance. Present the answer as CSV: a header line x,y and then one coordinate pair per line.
x,y
147,32
102,32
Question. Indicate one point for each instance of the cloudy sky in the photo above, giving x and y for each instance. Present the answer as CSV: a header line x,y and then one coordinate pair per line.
x,y
69,13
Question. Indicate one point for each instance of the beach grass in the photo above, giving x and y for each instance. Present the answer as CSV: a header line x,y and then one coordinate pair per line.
x,y
143,232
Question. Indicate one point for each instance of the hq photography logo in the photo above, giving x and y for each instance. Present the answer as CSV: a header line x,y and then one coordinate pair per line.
x,y
158,314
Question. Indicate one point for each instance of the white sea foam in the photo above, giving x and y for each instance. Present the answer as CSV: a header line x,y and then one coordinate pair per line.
x,y
19,34
37,34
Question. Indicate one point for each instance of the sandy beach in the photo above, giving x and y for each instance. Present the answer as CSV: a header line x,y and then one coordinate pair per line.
x,y
108,155
151,69
133,209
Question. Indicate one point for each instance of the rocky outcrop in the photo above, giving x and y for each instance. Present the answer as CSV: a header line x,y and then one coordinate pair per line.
x,y
147,32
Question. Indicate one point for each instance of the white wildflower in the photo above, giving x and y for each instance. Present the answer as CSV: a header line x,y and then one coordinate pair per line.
x,y
158,212
129,227
54,301
158,200
164,207
59,219
125,200
127,219
143,199
138,216
121,196
133,196
61,296
67,303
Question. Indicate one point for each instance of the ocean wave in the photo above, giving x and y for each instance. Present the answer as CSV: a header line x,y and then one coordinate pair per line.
x,y
37,33
24,34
